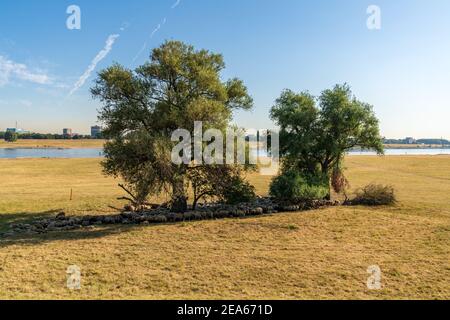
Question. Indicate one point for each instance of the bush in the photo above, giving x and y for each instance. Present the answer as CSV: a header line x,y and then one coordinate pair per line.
x,y
10,136
375,195
293,186
339,182
238,191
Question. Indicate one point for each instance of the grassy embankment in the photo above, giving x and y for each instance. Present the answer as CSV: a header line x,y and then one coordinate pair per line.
x,y
86,143
83,143
316,254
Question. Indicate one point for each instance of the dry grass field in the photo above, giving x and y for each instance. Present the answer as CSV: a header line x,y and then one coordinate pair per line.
x,y
320,254
82,143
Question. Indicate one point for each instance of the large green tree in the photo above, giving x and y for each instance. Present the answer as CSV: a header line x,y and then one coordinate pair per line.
x,y
315,133
142,108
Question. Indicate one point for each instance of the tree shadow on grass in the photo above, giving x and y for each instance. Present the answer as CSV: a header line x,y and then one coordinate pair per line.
x,y
6,219
84,233
77,234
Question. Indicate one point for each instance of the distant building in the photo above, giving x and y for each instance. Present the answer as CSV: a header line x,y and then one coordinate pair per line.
x,y
96,131
67,132
410,140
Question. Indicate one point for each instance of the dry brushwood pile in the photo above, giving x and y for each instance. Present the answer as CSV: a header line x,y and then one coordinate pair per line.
x,y
162,214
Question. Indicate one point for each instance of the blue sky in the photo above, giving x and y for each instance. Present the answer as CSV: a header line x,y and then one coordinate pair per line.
x,y
402,69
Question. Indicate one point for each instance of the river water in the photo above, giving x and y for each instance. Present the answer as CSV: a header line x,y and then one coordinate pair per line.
x,y
98,152
50,153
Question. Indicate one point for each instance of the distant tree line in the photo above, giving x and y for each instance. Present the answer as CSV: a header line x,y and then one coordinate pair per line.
x,y
48,136
419,141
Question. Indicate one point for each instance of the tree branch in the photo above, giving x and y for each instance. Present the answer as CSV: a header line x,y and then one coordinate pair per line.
x,y
127,191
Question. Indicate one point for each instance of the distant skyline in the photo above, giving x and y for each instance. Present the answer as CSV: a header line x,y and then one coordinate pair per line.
x,y
403,69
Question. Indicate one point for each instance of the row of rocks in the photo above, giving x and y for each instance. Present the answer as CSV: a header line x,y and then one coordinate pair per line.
x,y
308,205
163,215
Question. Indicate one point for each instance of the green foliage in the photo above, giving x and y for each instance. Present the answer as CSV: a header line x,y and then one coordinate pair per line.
x,y
222,182
375,195
294,186
142,161
10,136
142,108
237,190
315,133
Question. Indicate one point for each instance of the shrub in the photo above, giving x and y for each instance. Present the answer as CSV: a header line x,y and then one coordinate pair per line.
x,y
10,136
293,186
238,191
375,195
339,182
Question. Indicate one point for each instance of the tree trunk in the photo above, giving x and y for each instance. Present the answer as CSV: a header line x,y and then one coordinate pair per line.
x,y
194,204
179,198
325,168
328,197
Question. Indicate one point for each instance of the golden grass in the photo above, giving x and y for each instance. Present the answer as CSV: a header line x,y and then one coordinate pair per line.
x,y
316,254
32,186
82,143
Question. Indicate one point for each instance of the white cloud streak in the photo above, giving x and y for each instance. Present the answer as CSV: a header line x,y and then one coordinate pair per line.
x,y
158,27
176,4
10,69
99,57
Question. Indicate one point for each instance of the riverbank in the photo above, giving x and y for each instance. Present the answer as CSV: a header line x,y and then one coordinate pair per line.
x,y
52,144
87,153
98,143
317,254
